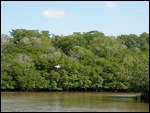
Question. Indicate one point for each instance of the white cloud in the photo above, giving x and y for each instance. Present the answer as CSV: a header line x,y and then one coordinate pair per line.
x,y
110,4
139,10
54,13
124,17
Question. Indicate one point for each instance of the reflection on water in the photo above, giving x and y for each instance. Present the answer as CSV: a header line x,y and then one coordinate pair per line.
x,y
71,101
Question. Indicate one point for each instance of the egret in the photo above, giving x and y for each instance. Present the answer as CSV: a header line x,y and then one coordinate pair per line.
x,y
57,66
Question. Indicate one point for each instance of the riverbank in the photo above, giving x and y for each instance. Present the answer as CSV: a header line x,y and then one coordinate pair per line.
x,y
69,90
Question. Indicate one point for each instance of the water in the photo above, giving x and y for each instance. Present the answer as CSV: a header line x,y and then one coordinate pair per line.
x,y
71,102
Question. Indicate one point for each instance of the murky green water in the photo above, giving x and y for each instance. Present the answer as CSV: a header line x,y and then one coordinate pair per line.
x,y
71,101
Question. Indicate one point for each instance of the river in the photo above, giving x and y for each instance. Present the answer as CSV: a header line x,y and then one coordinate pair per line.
x,y
71,102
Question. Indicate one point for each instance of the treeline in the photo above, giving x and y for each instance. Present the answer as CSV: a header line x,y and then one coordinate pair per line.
x,y
88,61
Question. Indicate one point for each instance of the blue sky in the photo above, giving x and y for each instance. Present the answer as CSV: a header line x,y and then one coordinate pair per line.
x,y
113,18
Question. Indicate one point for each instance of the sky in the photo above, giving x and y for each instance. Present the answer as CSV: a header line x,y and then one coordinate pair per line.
x,y
113,18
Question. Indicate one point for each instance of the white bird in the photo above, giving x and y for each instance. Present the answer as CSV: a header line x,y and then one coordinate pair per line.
x,y
57,66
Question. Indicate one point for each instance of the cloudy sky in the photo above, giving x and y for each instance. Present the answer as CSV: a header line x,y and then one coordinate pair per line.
x,y
65,17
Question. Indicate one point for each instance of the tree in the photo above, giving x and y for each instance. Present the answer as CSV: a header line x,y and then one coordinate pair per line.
x,y
88,60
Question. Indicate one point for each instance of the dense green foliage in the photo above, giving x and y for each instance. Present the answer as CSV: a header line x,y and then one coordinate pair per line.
x,y
88,60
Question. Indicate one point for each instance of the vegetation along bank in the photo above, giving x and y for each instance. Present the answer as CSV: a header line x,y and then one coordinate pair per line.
x,y
33,60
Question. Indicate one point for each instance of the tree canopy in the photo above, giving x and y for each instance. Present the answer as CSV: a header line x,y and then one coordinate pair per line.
x,y
88,61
